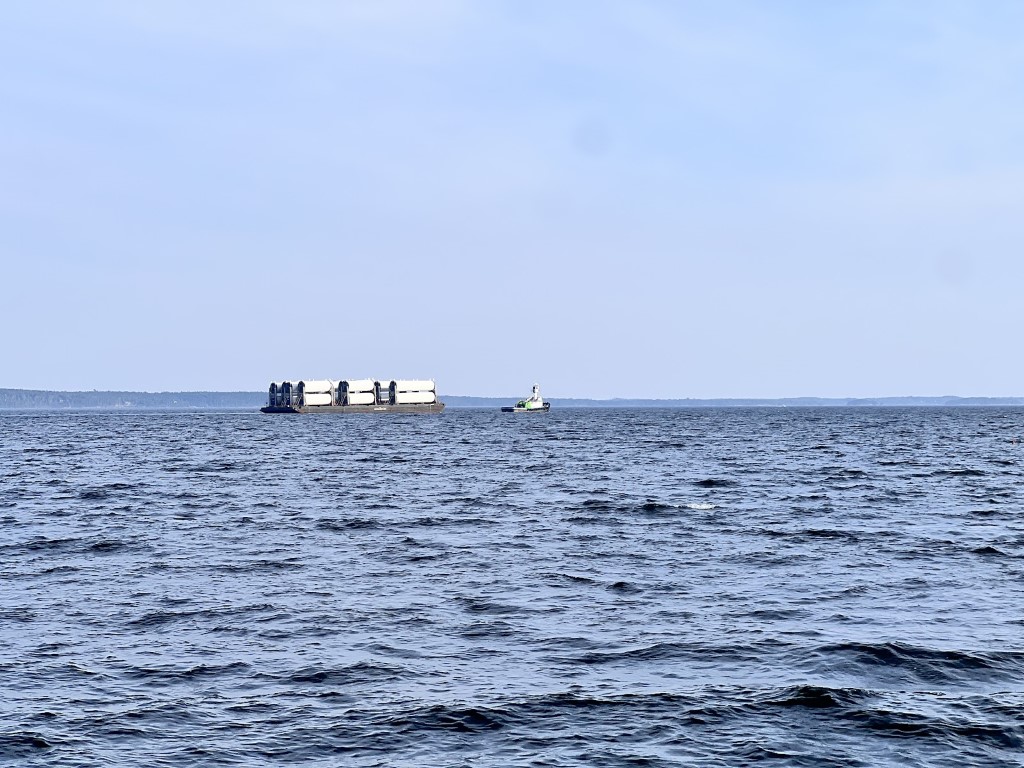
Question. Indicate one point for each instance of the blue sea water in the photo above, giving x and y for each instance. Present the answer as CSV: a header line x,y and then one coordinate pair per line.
x,y
792,587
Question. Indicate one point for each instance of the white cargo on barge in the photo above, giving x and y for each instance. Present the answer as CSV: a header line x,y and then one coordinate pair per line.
x,y
353,396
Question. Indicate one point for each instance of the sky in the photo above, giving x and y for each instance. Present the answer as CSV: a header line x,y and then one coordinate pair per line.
x,y
613,199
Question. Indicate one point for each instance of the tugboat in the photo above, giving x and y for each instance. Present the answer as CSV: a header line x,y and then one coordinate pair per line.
x,y
533,404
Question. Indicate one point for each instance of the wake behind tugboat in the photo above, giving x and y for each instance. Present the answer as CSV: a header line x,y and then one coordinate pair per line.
x,y
533,404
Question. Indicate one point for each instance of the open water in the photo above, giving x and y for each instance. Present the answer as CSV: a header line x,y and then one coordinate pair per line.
x,y
789,587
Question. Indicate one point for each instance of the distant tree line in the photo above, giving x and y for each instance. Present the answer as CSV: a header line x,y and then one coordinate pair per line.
x,y
30,399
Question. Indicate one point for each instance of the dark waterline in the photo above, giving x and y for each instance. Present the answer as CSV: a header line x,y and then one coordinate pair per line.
x,y
837,587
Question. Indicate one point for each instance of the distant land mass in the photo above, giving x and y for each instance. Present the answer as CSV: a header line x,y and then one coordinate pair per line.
x,y
32,399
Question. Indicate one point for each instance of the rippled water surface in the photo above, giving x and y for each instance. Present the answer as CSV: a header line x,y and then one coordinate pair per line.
x,y
840,587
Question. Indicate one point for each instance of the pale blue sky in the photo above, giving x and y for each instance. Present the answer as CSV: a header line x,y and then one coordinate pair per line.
x,y
615,199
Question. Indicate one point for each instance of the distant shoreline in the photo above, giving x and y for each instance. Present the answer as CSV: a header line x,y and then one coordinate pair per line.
x,y
30,399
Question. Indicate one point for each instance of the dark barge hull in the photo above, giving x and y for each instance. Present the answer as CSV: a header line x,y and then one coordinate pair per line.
x,y
411,408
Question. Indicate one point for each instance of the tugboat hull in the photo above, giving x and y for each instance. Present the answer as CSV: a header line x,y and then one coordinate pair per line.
x,y
516,409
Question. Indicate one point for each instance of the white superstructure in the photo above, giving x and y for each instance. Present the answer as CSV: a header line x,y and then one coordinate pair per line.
x,y
535,400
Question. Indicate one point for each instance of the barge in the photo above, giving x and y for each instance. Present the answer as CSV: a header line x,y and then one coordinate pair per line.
x,y
353,396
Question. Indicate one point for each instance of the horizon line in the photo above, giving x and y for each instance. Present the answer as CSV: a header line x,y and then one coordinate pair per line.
x,y
553,397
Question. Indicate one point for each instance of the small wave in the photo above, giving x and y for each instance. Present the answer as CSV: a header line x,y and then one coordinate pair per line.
x,y
777,614
20,745
17,615
383,649
647,508
478,605
426,558
98,493
829,533
61,569
556,577
260,565
354,674
442,718
346,524
929,664
602,505
672,651
108,546
651,507
988,551
160,618
172,675
912,725
48,544
489,630
714,482
211,467
585,520
843,473
817,697
624,588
